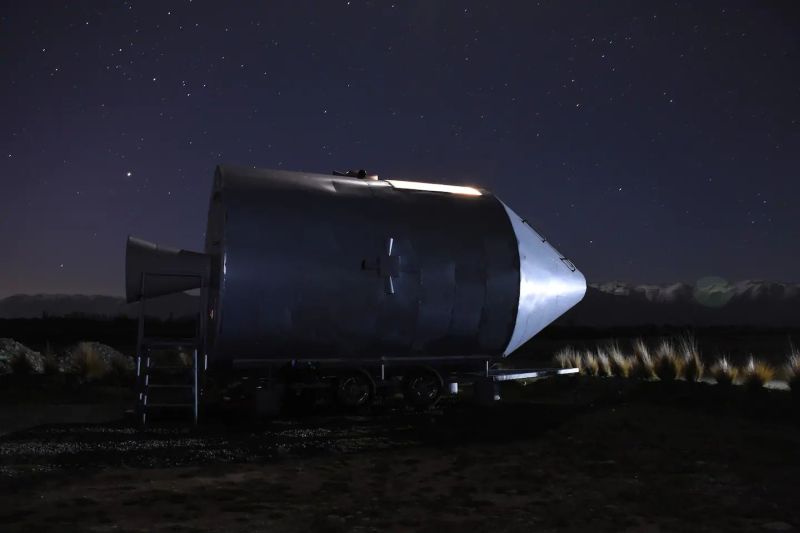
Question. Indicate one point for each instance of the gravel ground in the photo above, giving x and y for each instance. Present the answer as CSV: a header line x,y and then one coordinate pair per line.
x,y
18,417
598,455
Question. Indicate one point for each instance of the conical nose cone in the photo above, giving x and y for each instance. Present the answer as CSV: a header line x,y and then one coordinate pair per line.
x,y
549,283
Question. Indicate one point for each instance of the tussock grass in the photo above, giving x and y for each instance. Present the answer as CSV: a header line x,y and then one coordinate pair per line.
x,y
724,372
88,363
120,369
603,363
562,357
642,362
589,364
693,365
757,373
675,358
793,370
621,364
568,358
668,363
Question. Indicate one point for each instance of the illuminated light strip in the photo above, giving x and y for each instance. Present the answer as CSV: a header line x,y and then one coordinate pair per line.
x,y
434,187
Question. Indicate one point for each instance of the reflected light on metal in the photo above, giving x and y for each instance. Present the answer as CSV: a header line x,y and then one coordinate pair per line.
x,y
552,287
548,284
434,187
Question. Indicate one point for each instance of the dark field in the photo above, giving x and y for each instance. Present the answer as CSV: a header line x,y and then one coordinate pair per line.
x,y
570,455
738,342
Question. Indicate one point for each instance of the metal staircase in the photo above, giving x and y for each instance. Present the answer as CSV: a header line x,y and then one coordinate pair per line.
x,y
166,386
170,387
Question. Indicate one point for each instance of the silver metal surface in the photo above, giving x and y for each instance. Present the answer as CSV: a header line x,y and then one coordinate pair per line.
x,y
323,267
517,374
168,270
549,284
304,267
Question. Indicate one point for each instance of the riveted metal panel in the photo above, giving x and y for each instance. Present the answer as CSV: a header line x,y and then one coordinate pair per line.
x,y
304,270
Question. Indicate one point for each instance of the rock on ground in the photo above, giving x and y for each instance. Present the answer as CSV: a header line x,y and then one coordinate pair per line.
x,y
10,349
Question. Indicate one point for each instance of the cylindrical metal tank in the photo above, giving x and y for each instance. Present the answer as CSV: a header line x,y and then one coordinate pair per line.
x,y
320,266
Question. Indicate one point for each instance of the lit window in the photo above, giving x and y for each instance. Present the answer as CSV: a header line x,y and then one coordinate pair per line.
x,y
434,187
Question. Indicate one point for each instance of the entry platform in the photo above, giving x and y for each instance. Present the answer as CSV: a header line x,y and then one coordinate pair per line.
x,y
513,374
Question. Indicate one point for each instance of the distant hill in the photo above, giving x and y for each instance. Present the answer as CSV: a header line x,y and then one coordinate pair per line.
x,y
94,306
746,303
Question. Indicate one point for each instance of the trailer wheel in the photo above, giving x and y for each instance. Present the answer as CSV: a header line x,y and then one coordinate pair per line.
x,y
354,390
422,388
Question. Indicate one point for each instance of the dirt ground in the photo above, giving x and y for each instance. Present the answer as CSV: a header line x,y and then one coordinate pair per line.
x,y
580,455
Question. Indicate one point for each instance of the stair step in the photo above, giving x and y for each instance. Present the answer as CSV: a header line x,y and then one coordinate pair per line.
x,y
167,405
168,386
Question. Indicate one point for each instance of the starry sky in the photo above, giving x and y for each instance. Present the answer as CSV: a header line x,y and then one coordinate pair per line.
x,y
649,141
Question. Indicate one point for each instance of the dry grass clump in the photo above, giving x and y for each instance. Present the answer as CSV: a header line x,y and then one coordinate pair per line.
x,y
693,367
621,364
590,365
642,363
568,358
603,363
757,373
88,362
793,371
120,368
724,372
668,363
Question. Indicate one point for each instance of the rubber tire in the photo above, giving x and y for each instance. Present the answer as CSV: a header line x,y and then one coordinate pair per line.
x,y
343,390
422,388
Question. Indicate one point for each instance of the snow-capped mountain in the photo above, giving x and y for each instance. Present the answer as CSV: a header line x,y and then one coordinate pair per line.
x,y
709,302
703,291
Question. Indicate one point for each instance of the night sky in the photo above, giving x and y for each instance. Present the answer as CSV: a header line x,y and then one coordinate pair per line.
x,y
650,142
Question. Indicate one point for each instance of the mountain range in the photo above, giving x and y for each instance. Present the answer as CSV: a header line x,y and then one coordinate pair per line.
x,y
710,302
94,306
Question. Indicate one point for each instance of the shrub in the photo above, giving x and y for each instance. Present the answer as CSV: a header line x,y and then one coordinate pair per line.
x,y
621,365
88,362
757,373
642,366
693,365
